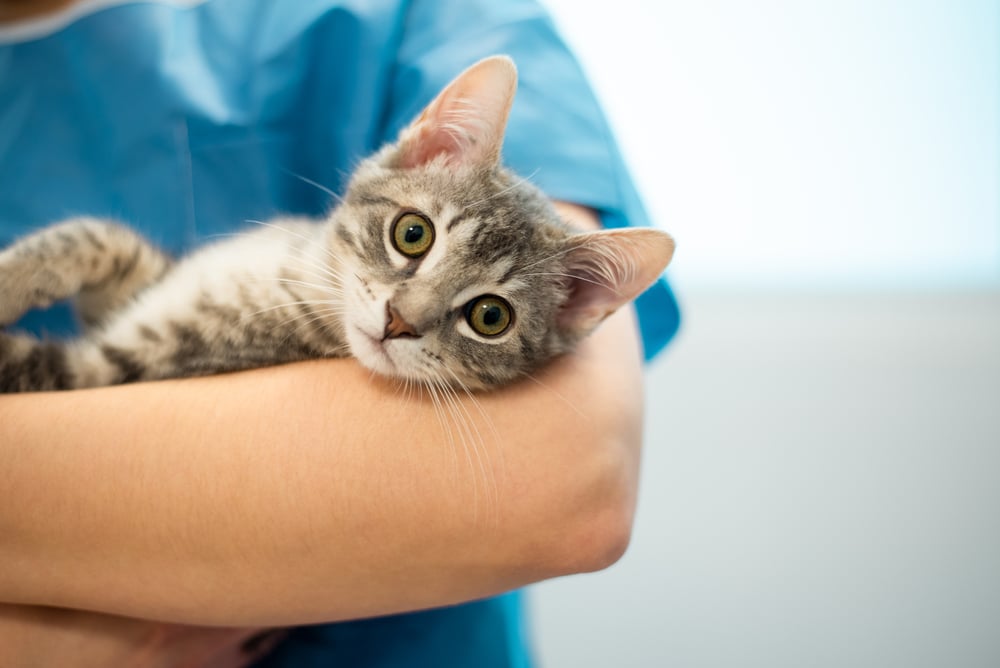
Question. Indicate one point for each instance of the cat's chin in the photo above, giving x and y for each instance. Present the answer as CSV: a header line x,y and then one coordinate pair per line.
x,y
372,353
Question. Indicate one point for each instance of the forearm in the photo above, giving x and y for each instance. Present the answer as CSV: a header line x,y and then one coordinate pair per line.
x,y
315,492
234,500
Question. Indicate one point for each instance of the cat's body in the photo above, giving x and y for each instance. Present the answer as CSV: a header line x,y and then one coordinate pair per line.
x,y
232,305
438,266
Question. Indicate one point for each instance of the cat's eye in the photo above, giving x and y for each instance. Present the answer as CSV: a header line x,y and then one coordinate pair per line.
x,y
489,315
412,234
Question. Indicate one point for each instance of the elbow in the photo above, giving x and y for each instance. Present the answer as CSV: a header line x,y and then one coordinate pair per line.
x,y
579,486
600,511
600,540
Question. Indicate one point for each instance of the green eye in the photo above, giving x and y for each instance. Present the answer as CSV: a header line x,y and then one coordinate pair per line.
x,y
489,315
412,234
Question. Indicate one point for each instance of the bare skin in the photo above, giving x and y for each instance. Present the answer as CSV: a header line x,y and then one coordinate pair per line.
x,y
149,484
40,637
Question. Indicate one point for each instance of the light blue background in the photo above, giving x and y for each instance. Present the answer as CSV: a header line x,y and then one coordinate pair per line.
x,y
796,144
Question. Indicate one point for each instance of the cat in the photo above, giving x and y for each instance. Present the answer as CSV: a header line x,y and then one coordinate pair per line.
x,y
438,265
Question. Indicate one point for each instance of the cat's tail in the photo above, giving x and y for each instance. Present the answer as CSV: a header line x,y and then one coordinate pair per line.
x,y
30,365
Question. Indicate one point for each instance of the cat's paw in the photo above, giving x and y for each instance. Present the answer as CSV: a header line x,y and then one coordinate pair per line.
x,y
24,287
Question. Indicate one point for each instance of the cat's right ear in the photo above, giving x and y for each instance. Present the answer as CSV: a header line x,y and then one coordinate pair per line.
x,y
607,269
464,125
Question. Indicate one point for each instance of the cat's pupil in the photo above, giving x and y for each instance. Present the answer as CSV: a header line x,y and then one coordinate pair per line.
x,y
413,234
492,316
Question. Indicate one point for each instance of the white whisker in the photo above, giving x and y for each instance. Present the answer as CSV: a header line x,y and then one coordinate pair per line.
x,y
517,182
314,184
311,242
547,258
559,396
328,289
496,435
319,271
303,302
429,384
573,276
448,401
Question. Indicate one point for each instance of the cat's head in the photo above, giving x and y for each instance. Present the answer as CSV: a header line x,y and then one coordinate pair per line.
x,y
459,272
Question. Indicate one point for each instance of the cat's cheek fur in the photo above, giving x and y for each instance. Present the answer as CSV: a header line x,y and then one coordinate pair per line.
x,y
363,316
394,358
364,326
369,351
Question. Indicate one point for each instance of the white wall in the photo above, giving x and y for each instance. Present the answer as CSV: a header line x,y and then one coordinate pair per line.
x,y
808,143
820,489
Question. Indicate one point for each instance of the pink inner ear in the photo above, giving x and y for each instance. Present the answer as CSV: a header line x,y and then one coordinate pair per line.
x,y
608,269
587,305
426,144
465,124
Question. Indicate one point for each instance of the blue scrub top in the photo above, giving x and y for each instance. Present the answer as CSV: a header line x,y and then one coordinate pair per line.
x,y
185,119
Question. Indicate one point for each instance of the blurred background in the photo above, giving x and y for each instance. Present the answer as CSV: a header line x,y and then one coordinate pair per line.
x,y
821,483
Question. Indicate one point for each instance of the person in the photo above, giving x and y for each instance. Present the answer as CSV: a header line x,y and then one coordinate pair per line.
x,y
309,495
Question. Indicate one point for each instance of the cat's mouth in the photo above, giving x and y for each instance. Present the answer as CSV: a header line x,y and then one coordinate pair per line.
x,y
372,352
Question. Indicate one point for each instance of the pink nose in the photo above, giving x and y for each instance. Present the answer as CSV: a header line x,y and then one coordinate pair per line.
x,y
395,326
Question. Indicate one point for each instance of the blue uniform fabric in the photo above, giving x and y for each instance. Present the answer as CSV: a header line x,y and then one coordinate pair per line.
x,y
187,121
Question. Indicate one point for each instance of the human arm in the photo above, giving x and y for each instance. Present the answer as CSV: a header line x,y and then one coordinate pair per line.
x,y
314,492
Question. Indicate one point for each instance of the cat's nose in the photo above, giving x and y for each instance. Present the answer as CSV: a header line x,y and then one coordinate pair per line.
x,y
396,327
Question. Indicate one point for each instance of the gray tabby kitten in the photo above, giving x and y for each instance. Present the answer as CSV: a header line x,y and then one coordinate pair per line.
x,y
438,266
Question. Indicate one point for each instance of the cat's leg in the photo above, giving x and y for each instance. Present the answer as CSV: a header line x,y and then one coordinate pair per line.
x,y
128,353
102,263
30,365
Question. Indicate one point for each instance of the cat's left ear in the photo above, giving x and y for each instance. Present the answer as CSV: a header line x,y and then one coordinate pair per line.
x,y
465,123
608,269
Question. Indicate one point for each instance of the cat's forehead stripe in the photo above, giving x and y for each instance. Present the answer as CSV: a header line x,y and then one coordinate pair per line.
x,y
460,218
346,236
371,199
